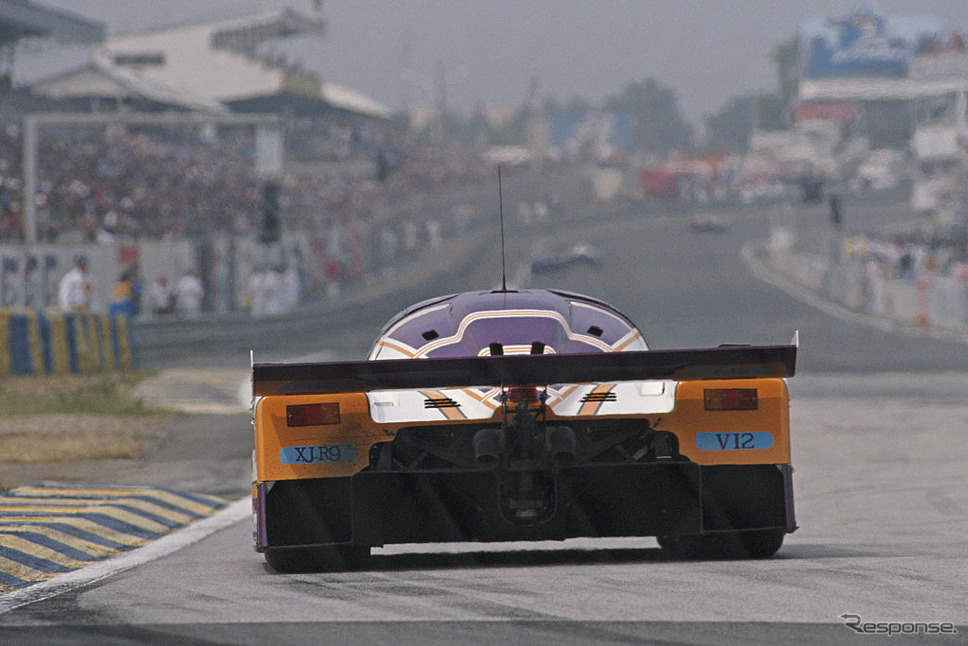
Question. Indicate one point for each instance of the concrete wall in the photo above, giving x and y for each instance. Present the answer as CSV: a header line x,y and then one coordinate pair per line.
x,y
928,302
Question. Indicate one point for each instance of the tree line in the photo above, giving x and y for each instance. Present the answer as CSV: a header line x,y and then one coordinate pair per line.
x,y
659,125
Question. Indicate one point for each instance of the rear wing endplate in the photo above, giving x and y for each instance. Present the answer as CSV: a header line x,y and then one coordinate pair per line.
x,y
731,362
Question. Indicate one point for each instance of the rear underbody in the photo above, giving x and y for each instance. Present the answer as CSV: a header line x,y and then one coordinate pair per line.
x,y
662,498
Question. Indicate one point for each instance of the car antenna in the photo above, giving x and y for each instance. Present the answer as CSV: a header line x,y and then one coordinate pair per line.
x,y
500,201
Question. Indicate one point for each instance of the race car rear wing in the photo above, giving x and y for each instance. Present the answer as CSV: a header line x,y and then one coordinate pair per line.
x,y
729,362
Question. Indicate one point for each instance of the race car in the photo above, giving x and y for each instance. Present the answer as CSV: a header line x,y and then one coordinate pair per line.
x,y
563,257
521,415
707,222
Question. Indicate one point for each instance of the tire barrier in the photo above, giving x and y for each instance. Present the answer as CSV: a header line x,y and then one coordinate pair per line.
x,y
54,341
49,529
21,349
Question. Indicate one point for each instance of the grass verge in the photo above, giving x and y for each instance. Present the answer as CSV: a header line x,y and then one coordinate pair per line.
x,y
55,418
104,393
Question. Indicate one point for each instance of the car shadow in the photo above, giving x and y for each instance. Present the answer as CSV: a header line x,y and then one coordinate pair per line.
x,y
583,556
528,558
515,558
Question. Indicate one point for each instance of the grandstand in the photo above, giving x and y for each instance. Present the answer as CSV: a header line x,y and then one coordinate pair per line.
x,y
227,61
216,66
100,85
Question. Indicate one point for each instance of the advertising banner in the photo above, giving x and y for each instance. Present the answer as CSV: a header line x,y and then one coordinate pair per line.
x,y
863,48
845,113
571,131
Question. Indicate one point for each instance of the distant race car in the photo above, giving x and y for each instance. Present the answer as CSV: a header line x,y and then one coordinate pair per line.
x,y
707,222
521,415
579,252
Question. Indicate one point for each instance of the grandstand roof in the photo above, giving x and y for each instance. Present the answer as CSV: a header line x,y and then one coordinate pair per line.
x,y
345,98
100,78
23,19
223,61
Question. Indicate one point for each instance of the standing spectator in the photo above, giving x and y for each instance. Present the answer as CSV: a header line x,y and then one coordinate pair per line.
x,y
256,292
76,290
276,290
188,295
293,286
836,212
126,298
159,297
434,233
334,277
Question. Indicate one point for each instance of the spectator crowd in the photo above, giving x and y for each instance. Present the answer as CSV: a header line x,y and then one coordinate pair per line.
x,y
130,184
909,256
117,182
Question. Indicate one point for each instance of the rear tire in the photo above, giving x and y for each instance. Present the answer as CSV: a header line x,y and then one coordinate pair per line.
x,y
331,558
749,544
763,543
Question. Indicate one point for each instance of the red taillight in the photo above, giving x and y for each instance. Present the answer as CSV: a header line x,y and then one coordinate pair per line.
x,y
522,394
730,399
312,414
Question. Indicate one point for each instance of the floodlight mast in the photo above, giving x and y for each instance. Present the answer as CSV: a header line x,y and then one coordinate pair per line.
x,y
500,199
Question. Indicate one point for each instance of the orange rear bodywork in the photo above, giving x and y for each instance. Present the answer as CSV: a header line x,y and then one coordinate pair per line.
x,y
732,428
727,433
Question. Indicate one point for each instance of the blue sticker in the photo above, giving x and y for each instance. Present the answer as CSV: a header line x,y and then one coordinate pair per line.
x,y
317,454
734,441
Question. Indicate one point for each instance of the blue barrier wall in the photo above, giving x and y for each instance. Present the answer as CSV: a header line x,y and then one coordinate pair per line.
x,y
57,342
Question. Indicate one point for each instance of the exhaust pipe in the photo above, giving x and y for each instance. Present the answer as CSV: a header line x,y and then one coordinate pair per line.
x,y
487,447
562,445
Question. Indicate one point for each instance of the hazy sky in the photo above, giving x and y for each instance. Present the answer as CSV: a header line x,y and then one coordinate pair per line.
x,y
706,50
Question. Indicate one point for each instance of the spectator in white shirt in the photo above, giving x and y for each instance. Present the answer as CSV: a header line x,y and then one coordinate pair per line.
x,y
76,289
188,295
159,297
